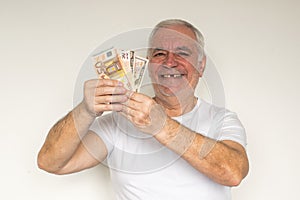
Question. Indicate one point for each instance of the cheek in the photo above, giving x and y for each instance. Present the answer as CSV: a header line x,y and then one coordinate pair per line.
x,y
152,69
194,74
196,67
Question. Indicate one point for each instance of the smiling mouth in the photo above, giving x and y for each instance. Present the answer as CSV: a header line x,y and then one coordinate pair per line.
x,y
172,75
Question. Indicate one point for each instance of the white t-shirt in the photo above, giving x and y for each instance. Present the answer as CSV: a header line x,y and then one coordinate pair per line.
x,y
142,168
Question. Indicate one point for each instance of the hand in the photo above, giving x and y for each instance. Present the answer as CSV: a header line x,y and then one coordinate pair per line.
x,y
144,113
103,95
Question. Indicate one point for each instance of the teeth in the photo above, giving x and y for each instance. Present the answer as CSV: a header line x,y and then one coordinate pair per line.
x,y
172,75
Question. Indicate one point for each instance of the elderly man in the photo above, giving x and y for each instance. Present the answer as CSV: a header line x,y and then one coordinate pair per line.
x,y
157,147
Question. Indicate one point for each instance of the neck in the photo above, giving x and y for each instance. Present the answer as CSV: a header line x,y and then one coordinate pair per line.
x,y
175,107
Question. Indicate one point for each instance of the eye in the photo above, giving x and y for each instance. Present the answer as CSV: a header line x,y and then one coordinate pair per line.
x,y
159,54
183,54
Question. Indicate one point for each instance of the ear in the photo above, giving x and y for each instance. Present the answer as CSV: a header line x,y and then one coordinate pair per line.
x,y
202,64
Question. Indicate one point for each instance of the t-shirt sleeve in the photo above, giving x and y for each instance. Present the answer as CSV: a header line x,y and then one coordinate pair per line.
x,y
103,127
227,126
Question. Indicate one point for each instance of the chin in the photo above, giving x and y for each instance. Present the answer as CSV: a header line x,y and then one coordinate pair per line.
x,y
169,92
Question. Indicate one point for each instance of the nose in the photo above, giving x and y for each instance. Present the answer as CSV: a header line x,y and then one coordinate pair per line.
x,y
170,60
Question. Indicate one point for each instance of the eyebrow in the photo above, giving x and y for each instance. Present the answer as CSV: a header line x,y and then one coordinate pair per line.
x,y
181,48
184,48
158,49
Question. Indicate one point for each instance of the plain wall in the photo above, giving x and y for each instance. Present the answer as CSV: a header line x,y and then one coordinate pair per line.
x,y
253,43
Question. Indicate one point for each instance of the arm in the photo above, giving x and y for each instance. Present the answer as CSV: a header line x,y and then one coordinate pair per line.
x,y
65,144
224,162
70,146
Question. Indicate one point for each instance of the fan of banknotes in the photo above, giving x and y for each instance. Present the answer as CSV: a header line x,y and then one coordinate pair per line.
x,y
121,65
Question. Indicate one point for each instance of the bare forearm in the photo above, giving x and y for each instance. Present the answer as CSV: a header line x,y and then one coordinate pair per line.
x,y
63,139
221,162
218,160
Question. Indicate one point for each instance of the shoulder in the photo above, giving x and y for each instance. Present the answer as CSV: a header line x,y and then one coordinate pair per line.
x,y
224,124
209,110
212,110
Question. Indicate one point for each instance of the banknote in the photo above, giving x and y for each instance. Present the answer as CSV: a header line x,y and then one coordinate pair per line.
x,y
140,66
128,65
132,61
108,64
122,65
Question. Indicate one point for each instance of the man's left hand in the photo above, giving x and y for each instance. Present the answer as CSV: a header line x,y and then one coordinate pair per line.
x,y
144,113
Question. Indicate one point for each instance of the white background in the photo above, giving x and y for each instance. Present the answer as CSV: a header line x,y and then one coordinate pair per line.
x,y
254,44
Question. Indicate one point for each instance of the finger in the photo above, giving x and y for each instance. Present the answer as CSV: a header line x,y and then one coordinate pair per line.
x,y
136,116
107,107
103,82
137,123
138,97
157,120
139,101
125,110
132,104
132,108
105,99
109,90
108,82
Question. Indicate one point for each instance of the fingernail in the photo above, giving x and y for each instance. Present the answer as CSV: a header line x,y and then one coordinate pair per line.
x,y
120,83
125,99
129,93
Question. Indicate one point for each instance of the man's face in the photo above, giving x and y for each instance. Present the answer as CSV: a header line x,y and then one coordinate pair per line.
x,y
174,63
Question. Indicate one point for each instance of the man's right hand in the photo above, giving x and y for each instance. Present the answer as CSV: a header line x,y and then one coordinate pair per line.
x,y
70,146
103,95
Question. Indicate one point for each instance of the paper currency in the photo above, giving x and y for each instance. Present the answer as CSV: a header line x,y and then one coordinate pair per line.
x,y
128,59
124,66
132,61
108,64
128,65
139,71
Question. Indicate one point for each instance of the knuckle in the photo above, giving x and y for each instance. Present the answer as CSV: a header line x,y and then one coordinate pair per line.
x,y
117,107
97,99
107,106
89,83
142,115
137,121
120,98
100,90
107,98
106,90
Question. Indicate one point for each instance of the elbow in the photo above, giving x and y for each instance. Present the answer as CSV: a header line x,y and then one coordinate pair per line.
x,y
44,164
230,179
235,181
237,175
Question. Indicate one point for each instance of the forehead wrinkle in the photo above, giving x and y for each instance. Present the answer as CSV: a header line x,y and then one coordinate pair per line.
x,y
173,46
173,40
175,32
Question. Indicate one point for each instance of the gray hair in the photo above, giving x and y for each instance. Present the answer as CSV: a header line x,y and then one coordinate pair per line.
x,y
172,22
